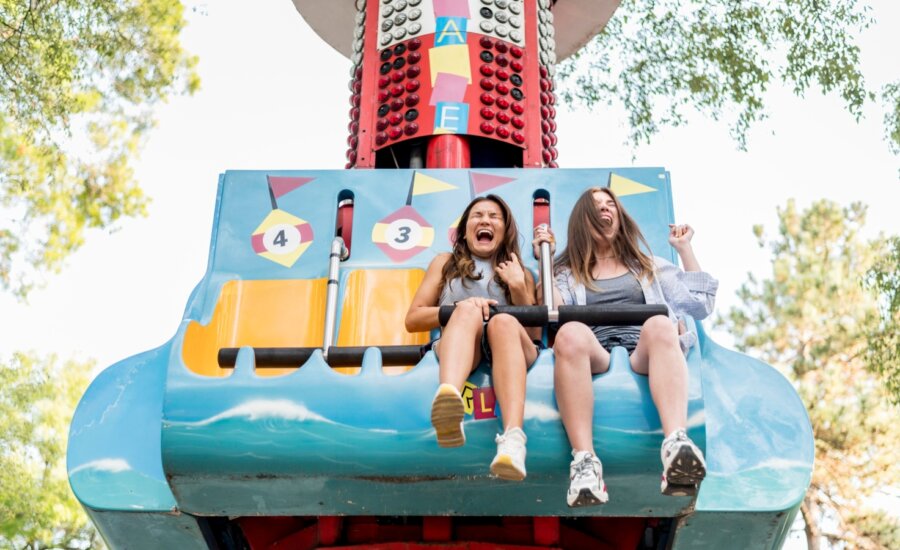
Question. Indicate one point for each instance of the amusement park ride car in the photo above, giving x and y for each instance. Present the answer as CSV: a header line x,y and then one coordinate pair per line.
x,y
291,408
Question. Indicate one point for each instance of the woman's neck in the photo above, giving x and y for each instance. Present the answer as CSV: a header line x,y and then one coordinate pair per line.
x,y
604,252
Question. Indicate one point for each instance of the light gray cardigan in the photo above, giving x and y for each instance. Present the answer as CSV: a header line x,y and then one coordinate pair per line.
x,y
683,292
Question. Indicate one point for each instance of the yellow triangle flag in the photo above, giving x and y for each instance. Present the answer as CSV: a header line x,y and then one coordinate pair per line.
x,y
624,186
426,184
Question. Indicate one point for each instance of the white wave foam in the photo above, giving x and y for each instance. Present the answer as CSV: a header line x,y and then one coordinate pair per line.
x,y
259,409
540,411
113,465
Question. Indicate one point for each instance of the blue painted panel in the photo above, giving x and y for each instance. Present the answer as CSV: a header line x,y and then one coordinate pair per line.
x,y
761,446
146,531
265,442
316,442
113,458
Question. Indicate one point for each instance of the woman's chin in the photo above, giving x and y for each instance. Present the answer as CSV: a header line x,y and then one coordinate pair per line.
x,y
484,252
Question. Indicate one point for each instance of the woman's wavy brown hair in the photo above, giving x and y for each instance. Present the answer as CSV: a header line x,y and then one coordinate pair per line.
x,y
586,226
462,265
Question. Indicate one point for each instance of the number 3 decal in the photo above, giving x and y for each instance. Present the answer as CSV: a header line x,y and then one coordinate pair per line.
x,y
404,234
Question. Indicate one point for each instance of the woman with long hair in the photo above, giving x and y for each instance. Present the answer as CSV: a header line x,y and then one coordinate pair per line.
x,y
482,270
604,263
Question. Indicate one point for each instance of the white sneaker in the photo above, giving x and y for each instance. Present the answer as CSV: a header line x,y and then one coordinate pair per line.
x,y
586,487
447,412
683,465
510,460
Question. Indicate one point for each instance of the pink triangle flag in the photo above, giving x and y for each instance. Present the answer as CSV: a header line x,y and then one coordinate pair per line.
x,y
282,185
484,182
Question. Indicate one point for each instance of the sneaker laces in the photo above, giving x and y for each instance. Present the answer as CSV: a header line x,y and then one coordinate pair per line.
x,y
584,468
674,437
506,443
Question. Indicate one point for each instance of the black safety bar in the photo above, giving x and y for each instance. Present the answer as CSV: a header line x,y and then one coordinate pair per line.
x,y
529,316
599,315
344,356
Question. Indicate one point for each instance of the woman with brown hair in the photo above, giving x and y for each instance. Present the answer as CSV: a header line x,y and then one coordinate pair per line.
x,y
604,263
482,270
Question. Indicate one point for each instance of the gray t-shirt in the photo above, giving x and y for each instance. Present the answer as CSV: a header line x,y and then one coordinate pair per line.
x,y
486,287
624,289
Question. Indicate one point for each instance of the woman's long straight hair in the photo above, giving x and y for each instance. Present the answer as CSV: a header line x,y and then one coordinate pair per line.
x,y
586,229
462,266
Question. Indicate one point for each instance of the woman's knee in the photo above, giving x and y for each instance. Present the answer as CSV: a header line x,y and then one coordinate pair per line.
x,y
467,313
573,340
659,330
503,325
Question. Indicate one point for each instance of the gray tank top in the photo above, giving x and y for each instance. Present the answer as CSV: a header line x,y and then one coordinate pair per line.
x,y
486,287
624,289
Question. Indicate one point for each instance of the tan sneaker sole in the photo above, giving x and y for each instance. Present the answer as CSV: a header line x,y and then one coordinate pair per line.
x,y
503,467
447,412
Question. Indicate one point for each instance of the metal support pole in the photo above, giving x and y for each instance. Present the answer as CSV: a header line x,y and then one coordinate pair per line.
x,y
547,275
338,253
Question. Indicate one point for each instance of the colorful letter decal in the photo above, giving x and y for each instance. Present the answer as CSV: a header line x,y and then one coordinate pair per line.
x,y
485,406
282,238
451,118
403,234
479,402
468,397
450,31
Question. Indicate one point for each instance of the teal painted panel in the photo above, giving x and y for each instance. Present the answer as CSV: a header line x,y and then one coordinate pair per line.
x,y
757,530
149,531
318,442
760,441
272,444
113,455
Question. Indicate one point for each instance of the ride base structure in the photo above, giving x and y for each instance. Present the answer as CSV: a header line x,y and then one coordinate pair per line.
x,y
292,409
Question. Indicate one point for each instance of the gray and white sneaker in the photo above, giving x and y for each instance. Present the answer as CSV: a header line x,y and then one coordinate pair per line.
x,y
586,487
510,460
683,465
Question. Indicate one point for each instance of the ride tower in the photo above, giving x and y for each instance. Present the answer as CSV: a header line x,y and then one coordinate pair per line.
x,y
291,409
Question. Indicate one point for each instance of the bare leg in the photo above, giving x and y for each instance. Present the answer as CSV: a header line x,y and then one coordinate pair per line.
x,y
578,356
459,348
512,352
659,356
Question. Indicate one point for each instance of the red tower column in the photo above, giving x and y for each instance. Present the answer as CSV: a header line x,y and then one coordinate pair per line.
x,y
448,151
462,81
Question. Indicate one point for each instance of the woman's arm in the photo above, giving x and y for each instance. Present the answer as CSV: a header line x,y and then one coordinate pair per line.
x,y
423,311
690,292
533,332
543,234
521,287
680,238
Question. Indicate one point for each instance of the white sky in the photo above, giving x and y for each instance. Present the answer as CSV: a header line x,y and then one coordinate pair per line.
x,y
274,96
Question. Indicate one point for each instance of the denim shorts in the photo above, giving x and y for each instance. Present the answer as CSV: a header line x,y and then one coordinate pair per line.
x,y
627,342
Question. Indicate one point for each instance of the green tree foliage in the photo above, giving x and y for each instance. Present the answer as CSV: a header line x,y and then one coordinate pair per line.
x,y
78,81
37,508
812,318
659,58
883,353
